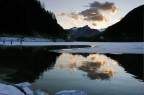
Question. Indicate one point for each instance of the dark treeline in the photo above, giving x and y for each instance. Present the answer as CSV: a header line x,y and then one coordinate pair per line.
x,y
130,28
28,17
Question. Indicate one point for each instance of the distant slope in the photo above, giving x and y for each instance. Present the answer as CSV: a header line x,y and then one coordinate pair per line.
x,y
82,33
130,28
28,17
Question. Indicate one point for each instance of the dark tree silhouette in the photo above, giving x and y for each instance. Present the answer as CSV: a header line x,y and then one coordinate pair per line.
x,y
130,28
28,17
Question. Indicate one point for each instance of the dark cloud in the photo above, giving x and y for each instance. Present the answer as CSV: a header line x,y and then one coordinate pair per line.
x,y
74,15
106,6
62,14
93,14
94,24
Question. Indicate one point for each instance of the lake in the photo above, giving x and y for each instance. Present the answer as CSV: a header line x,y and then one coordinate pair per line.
x,y
95,68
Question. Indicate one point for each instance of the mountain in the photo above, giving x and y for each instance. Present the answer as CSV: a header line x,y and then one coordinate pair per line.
x,y
28,17
130,28
82,33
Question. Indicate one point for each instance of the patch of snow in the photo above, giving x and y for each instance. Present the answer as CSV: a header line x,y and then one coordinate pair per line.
x,y
28,91
40,92
103,29
99,47
24,84
74,29
71,92
25,87
26,39
9,90
120,48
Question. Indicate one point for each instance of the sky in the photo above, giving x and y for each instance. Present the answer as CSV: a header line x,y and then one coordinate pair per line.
x,y
97,14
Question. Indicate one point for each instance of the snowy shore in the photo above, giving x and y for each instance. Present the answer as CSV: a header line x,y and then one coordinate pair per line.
x,y
95,47
24,89
107,47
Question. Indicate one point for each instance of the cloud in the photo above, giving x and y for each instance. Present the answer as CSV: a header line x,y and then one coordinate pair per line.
x,y
74,15
106,6
118,19
94,24
74,24
62,14
93,13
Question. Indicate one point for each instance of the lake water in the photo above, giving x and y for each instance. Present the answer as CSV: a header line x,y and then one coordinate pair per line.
x,y
97,70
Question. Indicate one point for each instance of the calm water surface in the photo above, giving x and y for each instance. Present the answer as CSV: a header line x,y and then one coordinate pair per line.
x,y
96,74
93,73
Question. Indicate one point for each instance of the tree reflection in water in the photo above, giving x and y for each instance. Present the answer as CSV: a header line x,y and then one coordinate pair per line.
x,y
24,65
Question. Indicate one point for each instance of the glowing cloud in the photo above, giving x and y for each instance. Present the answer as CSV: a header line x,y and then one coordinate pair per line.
x,y
73,15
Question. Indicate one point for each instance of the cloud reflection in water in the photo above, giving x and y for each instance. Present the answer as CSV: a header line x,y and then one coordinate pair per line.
x,y
97,66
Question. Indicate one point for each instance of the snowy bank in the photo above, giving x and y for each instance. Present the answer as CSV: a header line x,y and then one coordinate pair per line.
x,y
113,48
29,39
19,89
24,89
9,90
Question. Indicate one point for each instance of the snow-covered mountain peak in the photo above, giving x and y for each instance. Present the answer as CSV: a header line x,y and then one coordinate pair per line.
x,y
86,27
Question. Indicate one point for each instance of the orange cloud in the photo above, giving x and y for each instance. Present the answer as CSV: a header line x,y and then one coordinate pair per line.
x,y
73,15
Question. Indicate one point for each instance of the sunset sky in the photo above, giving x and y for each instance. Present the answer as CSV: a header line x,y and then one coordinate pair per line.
x,y
95,13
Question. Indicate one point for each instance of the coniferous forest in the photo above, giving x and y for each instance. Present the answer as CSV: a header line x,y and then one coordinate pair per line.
x,y
28,18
